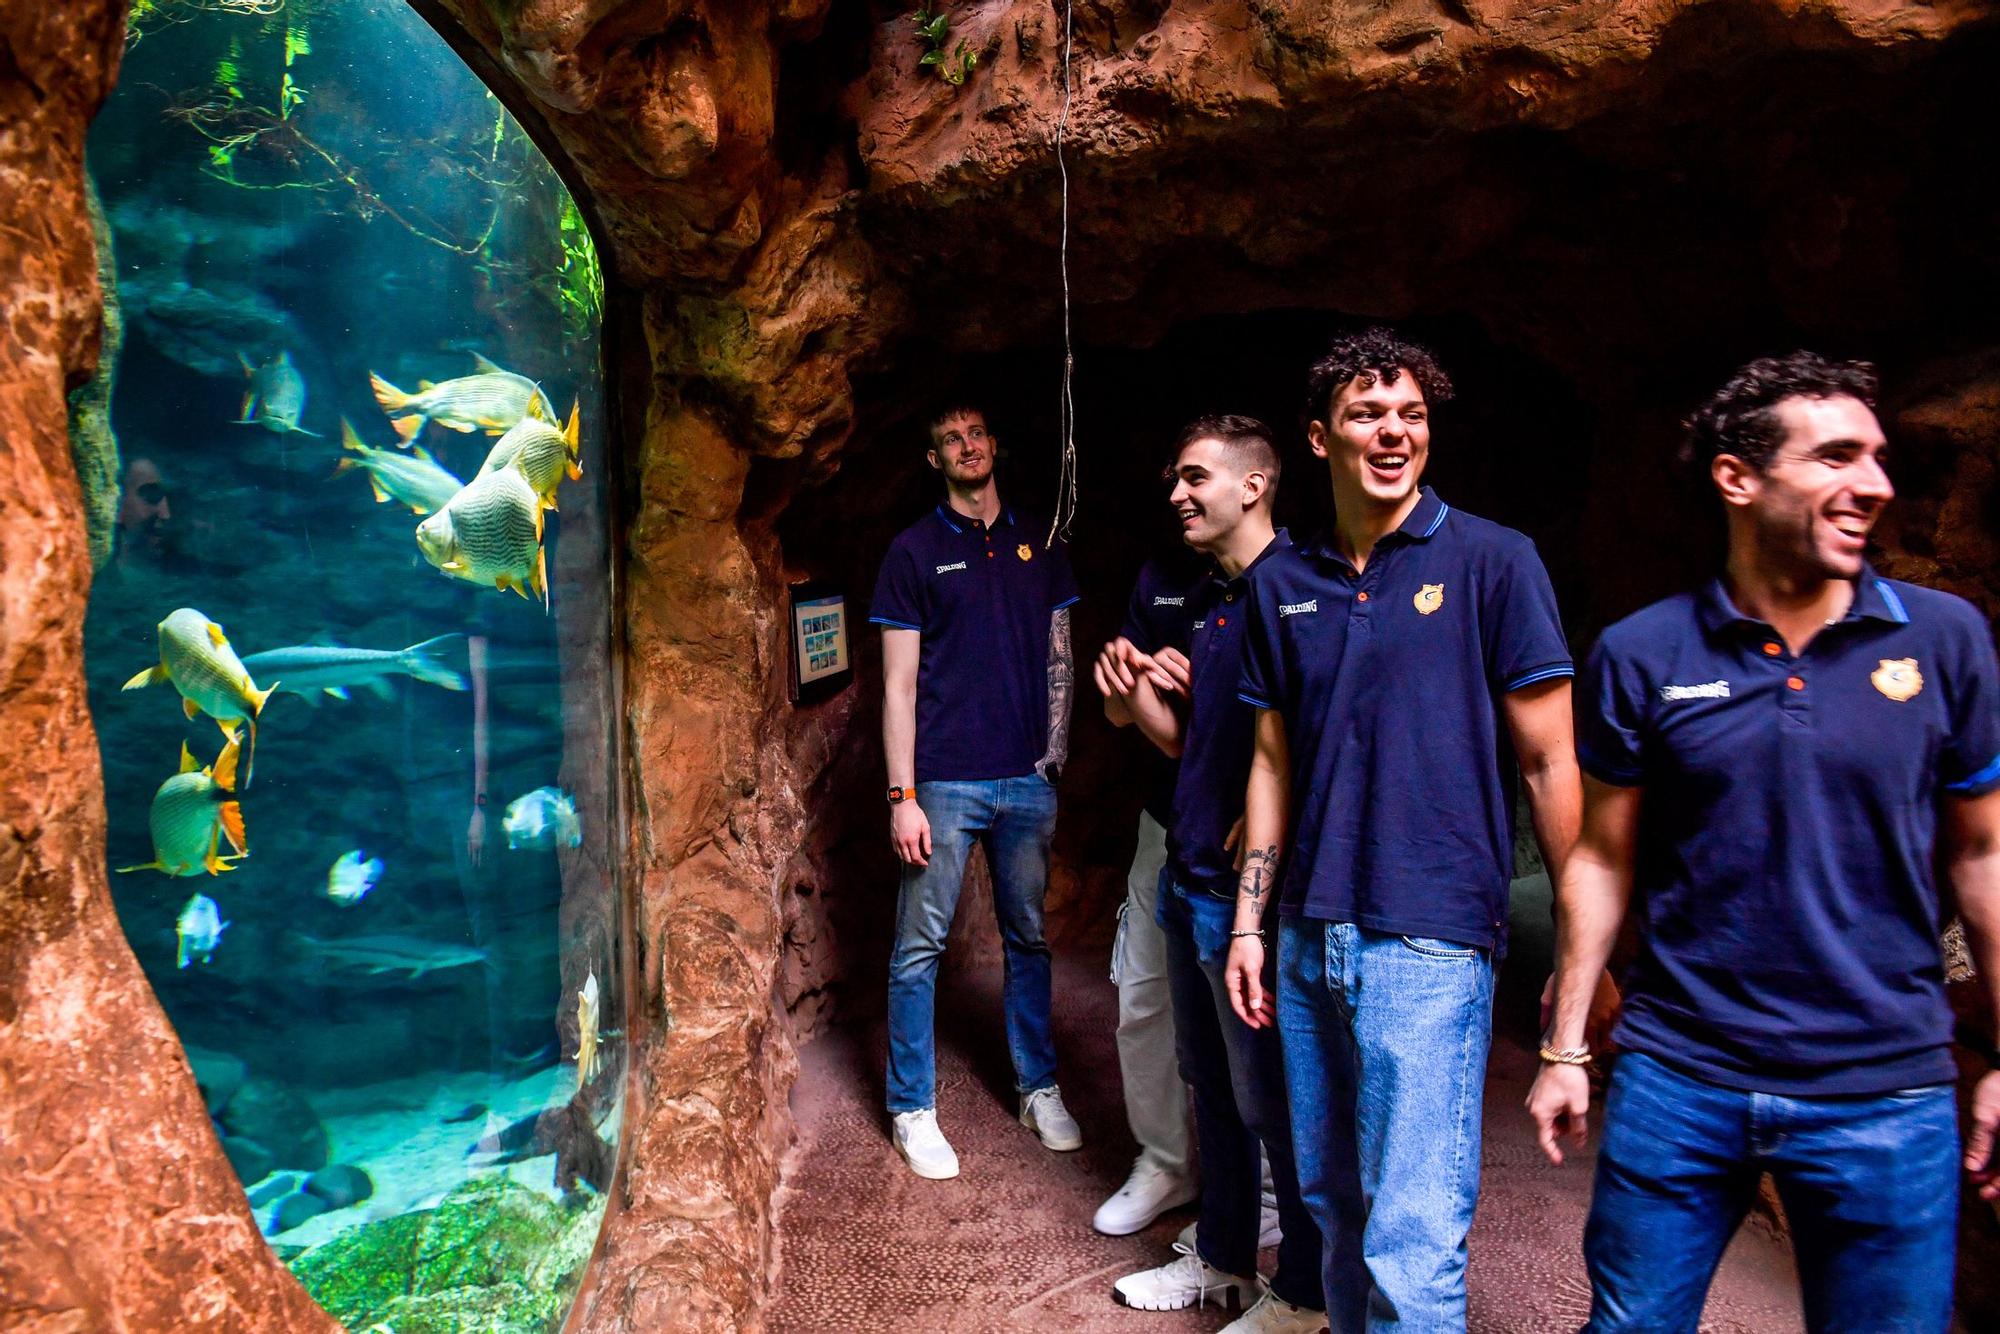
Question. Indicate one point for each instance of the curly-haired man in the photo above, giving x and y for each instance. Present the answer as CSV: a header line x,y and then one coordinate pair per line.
x,y
1770,761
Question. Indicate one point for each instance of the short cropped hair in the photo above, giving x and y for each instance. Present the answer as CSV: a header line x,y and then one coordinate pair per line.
x,y
1245,441
945,414
1374,354
1741,418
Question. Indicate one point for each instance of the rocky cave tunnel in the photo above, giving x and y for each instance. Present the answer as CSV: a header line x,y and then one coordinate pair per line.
x,y
1592,215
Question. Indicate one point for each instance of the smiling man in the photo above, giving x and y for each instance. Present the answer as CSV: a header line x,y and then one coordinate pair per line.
x,y
974,604
1771,760
1394,661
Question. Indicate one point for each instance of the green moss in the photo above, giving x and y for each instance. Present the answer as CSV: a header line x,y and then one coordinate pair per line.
x,y
92,443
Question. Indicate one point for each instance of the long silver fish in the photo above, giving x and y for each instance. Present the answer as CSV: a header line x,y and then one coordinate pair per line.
x,y
414,479
276,398
411,955
306,669
491,401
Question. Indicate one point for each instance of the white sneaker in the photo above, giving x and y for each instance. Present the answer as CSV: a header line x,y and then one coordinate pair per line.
x,y
1043,1112
1184,1281
1269,1234
1273,1316
924,1146
1150,1191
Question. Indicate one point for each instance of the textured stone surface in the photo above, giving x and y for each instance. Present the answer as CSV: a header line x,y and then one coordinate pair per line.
x,y
120,1211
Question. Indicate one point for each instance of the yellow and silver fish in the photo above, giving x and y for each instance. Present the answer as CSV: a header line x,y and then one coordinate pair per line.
x,y
491,401
276,397
490,533
539,452
414,479
195,655
586,1032
192,813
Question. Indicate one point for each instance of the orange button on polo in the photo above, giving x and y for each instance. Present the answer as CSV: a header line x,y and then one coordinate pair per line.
x,y
1795,683
1221,621
1772,648
1361,596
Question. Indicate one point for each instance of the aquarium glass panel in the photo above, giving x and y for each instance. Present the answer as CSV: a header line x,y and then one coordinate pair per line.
x,y
349,647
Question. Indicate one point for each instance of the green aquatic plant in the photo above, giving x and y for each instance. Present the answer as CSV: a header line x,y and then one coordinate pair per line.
x,y
579,279
952,63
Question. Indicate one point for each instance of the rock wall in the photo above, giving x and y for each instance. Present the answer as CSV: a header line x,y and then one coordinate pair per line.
x,y
119,1211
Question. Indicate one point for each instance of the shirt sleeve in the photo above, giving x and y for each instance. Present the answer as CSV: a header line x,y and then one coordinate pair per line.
x,y
1611,719
1262,682
899,592
1138,618
1062,579
1970,763
1520,625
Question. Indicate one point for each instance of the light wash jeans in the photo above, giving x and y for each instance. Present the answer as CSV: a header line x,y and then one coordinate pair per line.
x,y
1869,1184
1156,1102
1012,818
1385,1042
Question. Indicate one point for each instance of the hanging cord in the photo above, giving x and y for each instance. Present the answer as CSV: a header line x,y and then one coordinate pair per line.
x,y
1066,416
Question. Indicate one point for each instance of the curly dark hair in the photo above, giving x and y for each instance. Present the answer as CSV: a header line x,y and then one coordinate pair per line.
x,y
1378,353
1741,418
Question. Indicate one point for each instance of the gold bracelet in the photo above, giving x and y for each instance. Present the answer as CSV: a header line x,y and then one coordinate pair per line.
x,y
1565,1055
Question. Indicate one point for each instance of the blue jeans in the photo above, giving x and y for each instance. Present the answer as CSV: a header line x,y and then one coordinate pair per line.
x,y
1385,1041
1237,1074
1869,1184
1012,819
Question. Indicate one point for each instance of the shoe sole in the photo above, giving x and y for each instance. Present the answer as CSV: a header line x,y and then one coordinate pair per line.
x,y
1229,1297
928,1174
1139,1225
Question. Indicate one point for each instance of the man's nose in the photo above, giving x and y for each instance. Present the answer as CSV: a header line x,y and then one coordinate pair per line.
x,y
166,510
1872,482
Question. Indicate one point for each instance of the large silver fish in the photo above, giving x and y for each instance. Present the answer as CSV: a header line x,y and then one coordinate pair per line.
x,y
490,533
492,401
411,955
192,813
196,656
414,479
304,669
276,398
540,452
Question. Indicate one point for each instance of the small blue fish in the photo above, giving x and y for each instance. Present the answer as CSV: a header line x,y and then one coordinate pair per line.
x,y
200,929
350,878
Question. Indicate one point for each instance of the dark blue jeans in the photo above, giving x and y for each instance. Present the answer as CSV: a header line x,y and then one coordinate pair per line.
x,y
1012,819
1869,1184
1238,1078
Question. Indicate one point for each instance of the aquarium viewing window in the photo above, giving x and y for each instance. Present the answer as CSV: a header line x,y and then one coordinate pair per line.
x,y
349,647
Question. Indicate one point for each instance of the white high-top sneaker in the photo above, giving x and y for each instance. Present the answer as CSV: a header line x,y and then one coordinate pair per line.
x,y
924,1146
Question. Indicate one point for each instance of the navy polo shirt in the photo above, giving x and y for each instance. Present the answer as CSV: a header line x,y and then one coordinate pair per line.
x,y
1389,683
1221,730
1784,887
1156,619
981,600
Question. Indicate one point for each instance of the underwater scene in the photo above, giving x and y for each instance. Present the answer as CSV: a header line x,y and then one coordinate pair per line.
x,y
349,647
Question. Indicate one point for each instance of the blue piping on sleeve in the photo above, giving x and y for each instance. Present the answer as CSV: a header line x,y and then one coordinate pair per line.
x,y
1539,674
1255,702
1977,783
1071,603
894,625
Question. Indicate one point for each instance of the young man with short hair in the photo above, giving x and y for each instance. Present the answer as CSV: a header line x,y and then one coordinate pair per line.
x,y
1770,761
973,601
1225,480
1395,660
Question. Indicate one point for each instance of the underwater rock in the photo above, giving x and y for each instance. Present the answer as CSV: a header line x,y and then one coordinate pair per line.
x,y
340,1185
279,1119
472,1111
218,1074
265,1192
296,1209
251,1160
92,443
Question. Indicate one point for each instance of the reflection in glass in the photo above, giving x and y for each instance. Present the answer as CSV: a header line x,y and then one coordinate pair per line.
x,y
349,651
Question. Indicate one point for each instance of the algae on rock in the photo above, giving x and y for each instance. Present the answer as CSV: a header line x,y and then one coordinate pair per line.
x,y
92,444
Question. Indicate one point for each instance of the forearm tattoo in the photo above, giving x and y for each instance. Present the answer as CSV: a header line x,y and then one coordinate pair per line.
x,y
1062,681
1260,873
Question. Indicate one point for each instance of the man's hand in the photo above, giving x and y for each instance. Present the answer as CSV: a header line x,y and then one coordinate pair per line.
x,y
1172,673
910,832
1604,1006
1243,978
1559,1102
1982,1157
475,836
1119,666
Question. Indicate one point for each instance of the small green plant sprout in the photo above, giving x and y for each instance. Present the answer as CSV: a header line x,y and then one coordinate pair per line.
x,y
933,25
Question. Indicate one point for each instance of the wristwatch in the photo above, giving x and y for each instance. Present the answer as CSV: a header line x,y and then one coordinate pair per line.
x,y
897,794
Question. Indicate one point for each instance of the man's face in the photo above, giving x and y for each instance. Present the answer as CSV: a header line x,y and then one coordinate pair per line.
x,y
1377,438
962,450
1816,502
143,511
1208,496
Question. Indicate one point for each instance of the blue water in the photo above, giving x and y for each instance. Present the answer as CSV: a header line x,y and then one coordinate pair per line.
x,y
378,214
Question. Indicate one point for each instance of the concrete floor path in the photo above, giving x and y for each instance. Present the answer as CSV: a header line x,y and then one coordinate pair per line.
x,y
865,1245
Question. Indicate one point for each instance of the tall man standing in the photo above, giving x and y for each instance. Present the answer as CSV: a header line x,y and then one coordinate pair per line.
x,y
1225,481
1385,658
1770,760
977,675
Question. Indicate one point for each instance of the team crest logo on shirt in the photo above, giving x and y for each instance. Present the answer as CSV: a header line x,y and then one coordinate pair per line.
x,y
1024,552
1429,598
1898,678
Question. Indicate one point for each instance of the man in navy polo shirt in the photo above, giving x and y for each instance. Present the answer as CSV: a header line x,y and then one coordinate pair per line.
x,y
1770,761
973,601
1395,660
1225,480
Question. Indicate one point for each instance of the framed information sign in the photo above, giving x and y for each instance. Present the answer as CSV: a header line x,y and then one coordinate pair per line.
x,y
822,659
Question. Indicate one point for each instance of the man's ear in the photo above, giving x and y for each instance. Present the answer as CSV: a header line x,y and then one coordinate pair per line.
x,y
1316,437
1736,481
1256,483
931,455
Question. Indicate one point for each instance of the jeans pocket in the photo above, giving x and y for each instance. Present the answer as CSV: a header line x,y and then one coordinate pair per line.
x,y
1432,948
